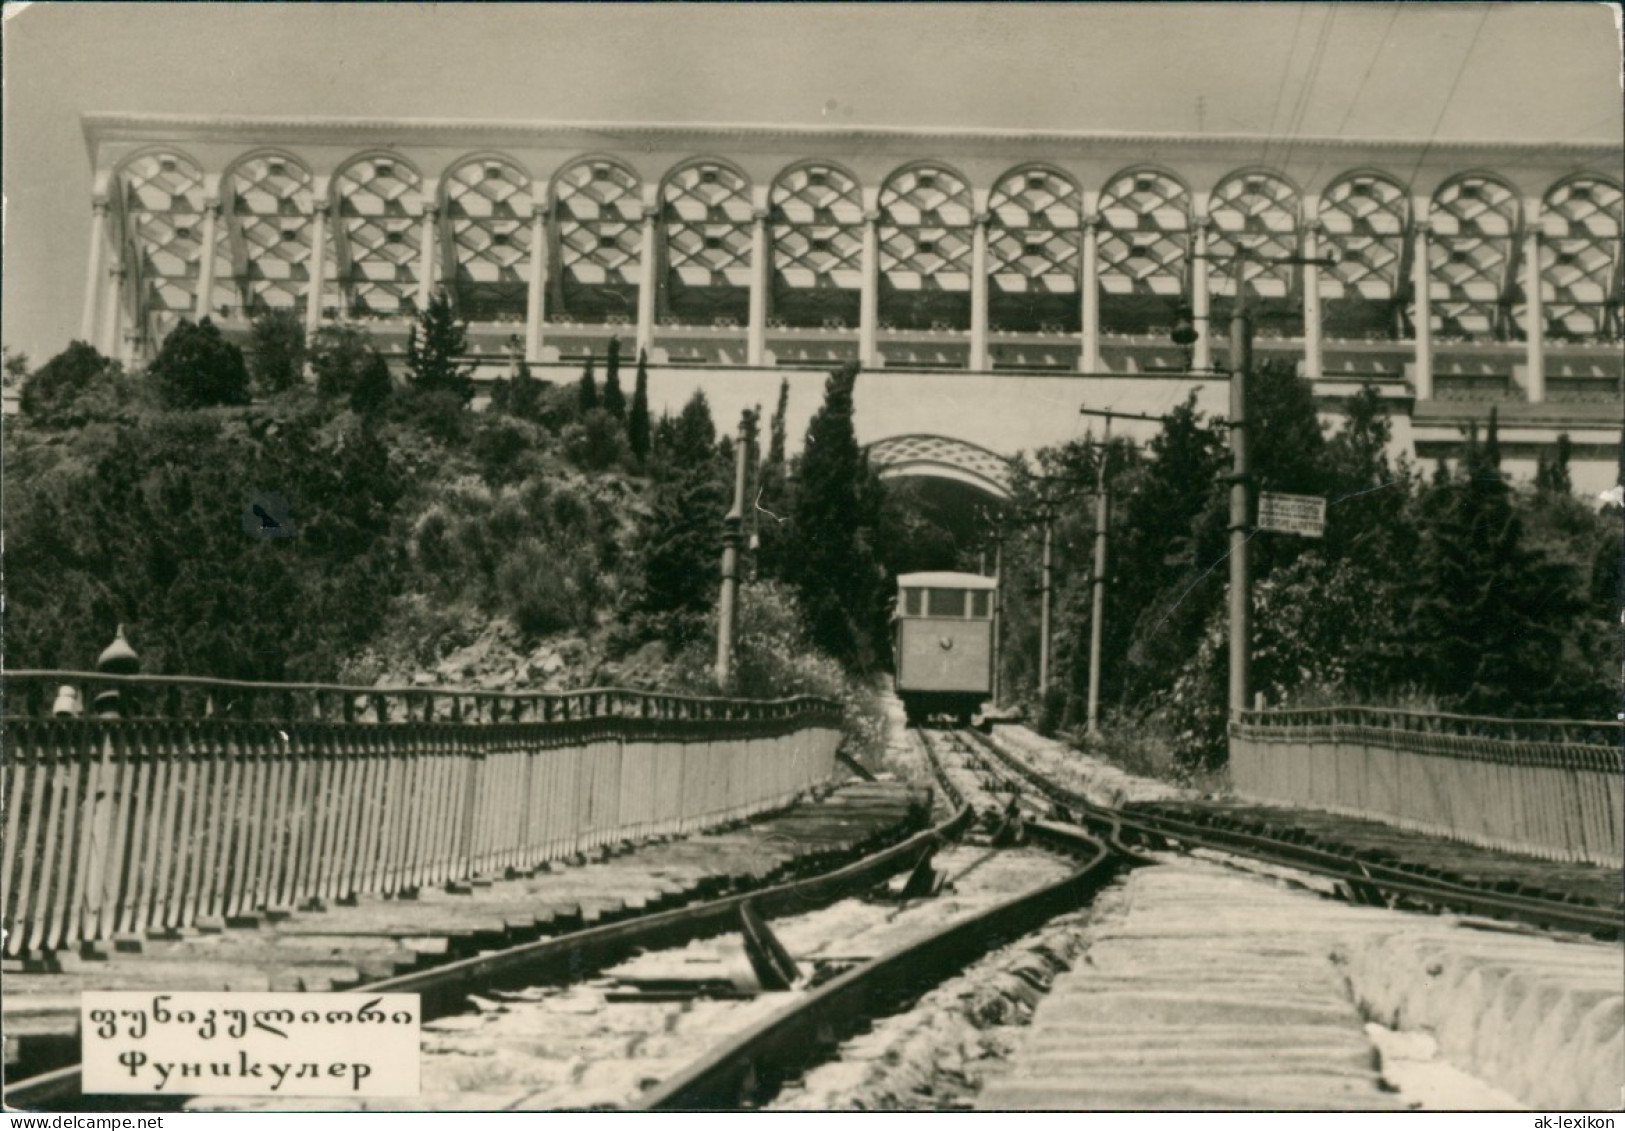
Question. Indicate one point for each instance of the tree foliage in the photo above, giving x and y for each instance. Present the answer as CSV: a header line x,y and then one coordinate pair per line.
x,y
638,433
276,351
614,399
197,367
437,340
1419,590
75,387
831,557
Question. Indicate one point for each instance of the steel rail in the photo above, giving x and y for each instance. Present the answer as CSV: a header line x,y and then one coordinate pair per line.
x,y
1441,892
753,1063
579,953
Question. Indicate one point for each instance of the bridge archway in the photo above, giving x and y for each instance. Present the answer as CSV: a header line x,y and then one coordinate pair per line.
x,y
942,457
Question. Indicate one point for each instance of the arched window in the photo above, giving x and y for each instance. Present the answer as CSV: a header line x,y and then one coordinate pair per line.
x,y
1367,222
598,217
1256,211
376,227
1144,251
1580,260
1470,255
925,250
816,214
488,219
706,209
162,202
269,213
1033,248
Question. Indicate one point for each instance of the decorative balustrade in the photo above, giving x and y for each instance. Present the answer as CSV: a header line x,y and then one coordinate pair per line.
x,y
1552,788
206,799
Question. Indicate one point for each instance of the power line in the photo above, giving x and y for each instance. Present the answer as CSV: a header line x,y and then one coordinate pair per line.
x,y
1300,109
1393,17
1280,89
1461,70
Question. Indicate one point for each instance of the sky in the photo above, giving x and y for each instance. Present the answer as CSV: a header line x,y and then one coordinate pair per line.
x,y
1403,70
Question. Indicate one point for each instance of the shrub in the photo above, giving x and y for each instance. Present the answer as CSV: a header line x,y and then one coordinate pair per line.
x,y
75,386
596,443
504,449
276,352
439,413
196,367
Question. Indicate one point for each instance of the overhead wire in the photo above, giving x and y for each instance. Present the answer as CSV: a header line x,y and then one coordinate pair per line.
x,y
1450,96
1300,109
1280,89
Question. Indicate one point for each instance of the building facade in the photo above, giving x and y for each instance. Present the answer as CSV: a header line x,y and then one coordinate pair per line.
x,y
1453,275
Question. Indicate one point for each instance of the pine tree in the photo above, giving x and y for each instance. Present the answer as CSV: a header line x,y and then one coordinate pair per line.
x,y
614,401
637,421
438,339
831,560
587,391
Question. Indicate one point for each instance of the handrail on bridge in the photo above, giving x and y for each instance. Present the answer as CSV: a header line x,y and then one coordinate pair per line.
x,y
1578,732
40,694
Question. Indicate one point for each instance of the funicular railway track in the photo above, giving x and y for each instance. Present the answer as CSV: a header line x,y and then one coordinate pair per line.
x,y
1362,879
982,783
746,1065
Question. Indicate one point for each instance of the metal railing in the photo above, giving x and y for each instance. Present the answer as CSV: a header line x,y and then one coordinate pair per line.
x,y
1551,788
204,800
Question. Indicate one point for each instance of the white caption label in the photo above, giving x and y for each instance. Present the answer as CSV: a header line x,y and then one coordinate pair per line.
x,y
250,1044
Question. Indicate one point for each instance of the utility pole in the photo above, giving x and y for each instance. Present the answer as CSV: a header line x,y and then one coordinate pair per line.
x,y
1043,608
1098,609
1241,363
998,607
727,606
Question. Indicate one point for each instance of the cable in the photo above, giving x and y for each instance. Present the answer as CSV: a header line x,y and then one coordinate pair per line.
x,y
1461,70
1354,99
1280,88
1300,109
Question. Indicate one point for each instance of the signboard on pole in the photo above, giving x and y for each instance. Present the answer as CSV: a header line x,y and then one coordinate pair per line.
x,y
1304,515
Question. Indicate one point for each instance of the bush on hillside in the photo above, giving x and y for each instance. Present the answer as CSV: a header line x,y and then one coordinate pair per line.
x,y
75,387
196,367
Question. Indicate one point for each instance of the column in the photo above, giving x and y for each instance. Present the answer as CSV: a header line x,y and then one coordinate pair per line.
x,y
112,313
1089,289
648,280
1314,364
93,274
536,300
1423,316
978,292
205,274
428,245
756,342
1201,299
1534,305
869,295
318,263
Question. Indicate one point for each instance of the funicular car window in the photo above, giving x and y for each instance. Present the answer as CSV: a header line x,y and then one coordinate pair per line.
x,y
945,602
911,602
978,603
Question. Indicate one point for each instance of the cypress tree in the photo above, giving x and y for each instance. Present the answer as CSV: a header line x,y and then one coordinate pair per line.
x,y
587,391
830,557
614,399
637,421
